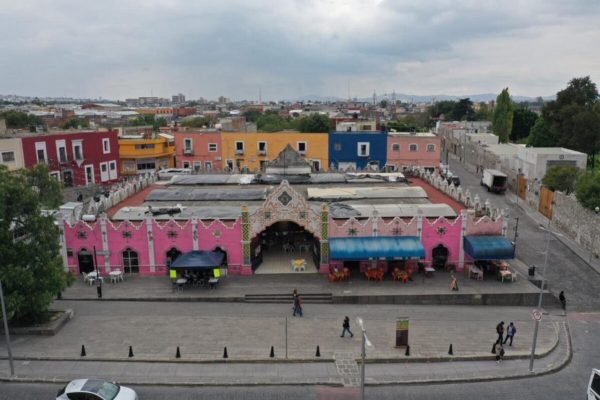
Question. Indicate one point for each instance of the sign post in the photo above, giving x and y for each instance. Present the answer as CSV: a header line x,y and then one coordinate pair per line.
x,y
402,332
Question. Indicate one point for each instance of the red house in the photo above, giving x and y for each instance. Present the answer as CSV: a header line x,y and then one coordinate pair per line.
x,y
75,158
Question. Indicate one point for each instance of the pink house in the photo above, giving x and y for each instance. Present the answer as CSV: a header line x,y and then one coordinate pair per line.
x,y
198,150
408,149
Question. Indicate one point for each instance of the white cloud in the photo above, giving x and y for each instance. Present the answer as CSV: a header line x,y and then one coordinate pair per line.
x,y
121,48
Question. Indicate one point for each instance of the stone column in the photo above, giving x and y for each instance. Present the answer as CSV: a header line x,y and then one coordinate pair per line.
x,y
324,267
463,230
247,259
195,233
105,249
150,237
63,242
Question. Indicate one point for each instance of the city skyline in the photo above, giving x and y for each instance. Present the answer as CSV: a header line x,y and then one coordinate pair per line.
x,y
294,49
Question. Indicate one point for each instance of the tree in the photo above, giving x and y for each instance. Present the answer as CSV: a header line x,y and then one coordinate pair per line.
x,y
587,190
540,134
197,122
503,116
463,110
561,178
20,120
76,123
314,123
484,113
523,121
252,115
271,121
444,108
31,268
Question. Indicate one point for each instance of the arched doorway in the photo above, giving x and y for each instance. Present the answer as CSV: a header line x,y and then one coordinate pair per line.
x,y
85,260
131,262
439,256
274,249
172,255
220,250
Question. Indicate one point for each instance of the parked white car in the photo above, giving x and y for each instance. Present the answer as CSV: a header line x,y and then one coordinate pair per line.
x,y
593,392
95,389
168,173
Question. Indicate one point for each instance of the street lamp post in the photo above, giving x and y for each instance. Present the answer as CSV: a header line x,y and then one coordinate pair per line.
x,y
363,352
6,333
539,307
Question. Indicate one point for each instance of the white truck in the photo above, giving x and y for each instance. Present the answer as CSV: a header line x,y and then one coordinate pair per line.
x,y
494,180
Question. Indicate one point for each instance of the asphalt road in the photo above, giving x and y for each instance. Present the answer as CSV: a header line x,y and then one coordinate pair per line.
x,y
565,269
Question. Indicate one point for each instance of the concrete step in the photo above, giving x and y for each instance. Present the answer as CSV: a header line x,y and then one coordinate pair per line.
x,y
313,298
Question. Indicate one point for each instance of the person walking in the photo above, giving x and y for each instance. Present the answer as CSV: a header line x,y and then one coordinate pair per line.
x,y
346,327
563,300
511,329
500,332
499,350
297,305
453,282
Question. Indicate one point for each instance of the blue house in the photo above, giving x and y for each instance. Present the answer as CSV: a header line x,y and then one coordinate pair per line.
x,y
357,150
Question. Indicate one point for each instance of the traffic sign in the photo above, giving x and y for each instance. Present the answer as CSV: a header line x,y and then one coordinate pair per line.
x,y
537,315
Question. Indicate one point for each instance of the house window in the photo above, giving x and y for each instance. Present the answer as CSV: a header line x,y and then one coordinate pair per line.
x,y
302,147
262,148
40,151
207,165
395,147
363,149
55,175
431,148
106,146
197,166
61,151
337,146
112,166
413,148
212,147
144,146
8,156
239,147
186,164
77,151
229,165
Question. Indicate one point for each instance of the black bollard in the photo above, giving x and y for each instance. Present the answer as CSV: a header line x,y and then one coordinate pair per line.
x,y
83,351
272,352
130,351
318,354
225,352
407,352
450,350
178,354
99,290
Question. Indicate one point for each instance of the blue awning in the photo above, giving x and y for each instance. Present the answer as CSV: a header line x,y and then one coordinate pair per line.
x,y
375,247
489,247
198,259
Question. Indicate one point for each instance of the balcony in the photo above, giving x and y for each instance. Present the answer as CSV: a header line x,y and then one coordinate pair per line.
x,y
239,152
188,152
261,152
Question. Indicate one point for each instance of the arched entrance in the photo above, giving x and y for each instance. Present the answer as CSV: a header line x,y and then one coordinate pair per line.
x,y
172,255
131,262
220,250
274,249
439,256
85,259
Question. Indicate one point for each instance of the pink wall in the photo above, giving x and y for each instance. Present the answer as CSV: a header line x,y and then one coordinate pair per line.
x,y
226,235
445,232
200,142
483,226
421,157
124,235
350,227
82,236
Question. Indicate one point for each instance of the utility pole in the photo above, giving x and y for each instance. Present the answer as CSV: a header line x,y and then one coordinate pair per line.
x,y
6,333
516,234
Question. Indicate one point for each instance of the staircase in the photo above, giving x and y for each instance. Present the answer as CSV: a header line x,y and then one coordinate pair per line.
x,y
309,298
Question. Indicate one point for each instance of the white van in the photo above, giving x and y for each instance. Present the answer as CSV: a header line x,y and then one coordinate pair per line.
x,y
593,392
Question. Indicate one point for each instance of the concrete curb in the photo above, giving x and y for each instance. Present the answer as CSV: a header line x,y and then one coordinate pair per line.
x,y
49,329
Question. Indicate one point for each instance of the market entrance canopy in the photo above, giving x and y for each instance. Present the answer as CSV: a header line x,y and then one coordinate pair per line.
x,y
376,247
489,248
198,259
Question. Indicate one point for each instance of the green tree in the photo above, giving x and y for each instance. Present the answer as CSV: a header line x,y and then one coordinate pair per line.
x,y
463,110
252,115
271,121
49,190
587,190
31,267
314,123
197,122
540,134
76,123
503,116
561,178
523,121
20,120
484,113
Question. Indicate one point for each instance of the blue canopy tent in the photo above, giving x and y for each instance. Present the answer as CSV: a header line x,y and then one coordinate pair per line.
x,y
375,247
489,248
199,260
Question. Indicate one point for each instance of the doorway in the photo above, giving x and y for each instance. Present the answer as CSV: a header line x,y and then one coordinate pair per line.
x,y
439,256
172,255
86,261
131,262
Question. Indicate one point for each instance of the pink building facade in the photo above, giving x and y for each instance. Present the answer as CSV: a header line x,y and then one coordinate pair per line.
x,y
405,149
198,150
147,247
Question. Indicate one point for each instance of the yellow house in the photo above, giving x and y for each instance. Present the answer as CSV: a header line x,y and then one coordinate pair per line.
x,y
143,153
253,150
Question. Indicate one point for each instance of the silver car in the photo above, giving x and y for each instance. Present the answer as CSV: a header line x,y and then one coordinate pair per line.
x,y
95,389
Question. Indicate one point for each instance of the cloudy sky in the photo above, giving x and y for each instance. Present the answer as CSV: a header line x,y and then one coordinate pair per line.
x,y
130,48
